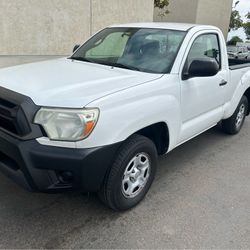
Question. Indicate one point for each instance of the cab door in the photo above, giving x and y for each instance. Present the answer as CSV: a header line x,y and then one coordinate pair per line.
x,y
202,98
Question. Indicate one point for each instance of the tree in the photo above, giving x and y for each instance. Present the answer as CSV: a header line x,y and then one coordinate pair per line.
x,y
234,40
246,26
248,15
235,22
162,5
247,29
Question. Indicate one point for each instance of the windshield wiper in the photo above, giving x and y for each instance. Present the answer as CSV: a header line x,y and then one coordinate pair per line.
x,y
124,66
82,59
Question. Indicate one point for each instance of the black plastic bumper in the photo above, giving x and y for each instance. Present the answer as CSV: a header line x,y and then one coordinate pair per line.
x,y
49,169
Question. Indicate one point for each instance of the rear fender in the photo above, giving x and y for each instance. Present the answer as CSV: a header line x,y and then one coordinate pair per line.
x,y
242,87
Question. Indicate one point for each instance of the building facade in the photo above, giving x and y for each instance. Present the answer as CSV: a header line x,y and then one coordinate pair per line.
x,y
53,27
213,12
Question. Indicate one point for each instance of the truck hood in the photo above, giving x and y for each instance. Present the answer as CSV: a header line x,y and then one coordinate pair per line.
x,y
66,83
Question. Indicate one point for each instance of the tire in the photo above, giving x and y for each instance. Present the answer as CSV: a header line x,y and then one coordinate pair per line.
x,y
233,124
119,190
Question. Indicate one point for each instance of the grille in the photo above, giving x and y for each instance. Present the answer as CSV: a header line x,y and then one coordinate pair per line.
x,y
12,118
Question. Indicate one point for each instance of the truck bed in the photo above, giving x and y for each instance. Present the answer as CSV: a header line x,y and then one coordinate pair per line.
x,y
238,64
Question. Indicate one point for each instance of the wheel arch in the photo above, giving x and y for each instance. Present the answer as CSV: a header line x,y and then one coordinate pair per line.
x,y
247,94
159,134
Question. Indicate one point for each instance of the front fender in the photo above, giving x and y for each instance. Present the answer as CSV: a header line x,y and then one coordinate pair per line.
x,y
127,112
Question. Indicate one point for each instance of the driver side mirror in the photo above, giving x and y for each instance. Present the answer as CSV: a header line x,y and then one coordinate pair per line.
x,y
201,68
76,47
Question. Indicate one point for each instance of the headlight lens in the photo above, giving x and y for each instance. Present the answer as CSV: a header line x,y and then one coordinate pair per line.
x,y
67,124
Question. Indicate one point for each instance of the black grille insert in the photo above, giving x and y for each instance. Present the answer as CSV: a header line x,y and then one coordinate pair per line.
x,y
12,118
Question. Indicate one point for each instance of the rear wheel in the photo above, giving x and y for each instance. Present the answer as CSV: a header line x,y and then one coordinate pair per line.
x,y
234,124
131,174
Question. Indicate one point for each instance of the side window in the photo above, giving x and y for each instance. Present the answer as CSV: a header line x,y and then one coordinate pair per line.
x,y
204,46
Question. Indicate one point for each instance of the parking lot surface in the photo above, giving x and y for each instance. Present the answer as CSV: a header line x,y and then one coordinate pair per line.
x,y
200,199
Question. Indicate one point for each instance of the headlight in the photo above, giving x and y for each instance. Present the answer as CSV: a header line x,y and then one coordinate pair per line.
x,y
67,124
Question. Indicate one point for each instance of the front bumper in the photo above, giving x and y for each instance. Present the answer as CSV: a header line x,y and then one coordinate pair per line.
x,y
50,169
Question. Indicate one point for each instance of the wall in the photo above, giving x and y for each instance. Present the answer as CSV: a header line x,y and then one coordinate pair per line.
x,y
180,11
106,12
53,27
213,12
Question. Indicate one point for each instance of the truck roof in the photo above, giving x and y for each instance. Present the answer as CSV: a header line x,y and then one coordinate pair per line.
x,y
164,25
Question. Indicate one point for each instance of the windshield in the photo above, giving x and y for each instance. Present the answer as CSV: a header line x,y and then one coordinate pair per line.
x,y
147,50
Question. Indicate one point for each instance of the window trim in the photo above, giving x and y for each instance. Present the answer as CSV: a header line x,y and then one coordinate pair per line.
x,y
219,44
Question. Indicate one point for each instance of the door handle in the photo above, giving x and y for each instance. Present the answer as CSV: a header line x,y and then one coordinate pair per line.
x,y
223,83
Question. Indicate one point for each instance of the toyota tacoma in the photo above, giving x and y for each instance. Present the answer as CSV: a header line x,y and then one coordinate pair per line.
x,y
97,120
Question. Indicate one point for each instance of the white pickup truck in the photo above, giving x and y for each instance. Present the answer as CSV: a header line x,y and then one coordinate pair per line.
x,y
97,120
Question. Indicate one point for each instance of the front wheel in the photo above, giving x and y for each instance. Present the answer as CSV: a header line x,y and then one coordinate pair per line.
x,y
233,124
131,174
